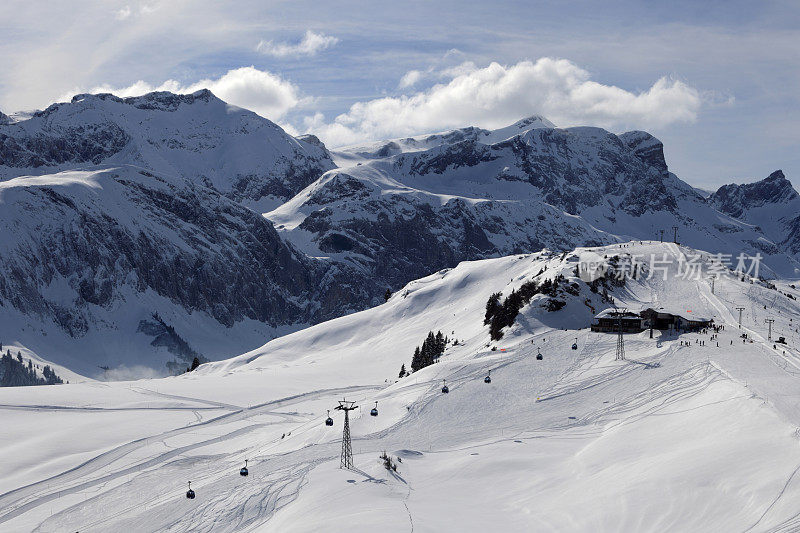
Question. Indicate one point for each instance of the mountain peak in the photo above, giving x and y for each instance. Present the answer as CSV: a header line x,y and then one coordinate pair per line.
x,y
776,176
534,121
648,148
520,127
735,199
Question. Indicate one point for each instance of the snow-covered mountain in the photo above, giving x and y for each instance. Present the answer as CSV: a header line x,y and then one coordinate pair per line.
x,y
132,232
121,266
772,204
196,136
679,436
412,206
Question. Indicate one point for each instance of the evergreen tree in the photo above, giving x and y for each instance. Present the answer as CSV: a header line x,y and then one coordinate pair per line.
x,y
387,295
492,307
416,361
441,344
402,371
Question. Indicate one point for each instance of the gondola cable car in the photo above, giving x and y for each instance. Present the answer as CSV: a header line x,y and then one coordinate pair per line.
x,y
190,492
329,420
488,378
575,344
244,472
374,411
539,354
445,388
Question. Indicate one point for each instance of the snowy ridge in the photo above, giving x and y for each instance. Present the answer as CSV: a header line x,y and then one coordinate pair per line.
x,y
196,136
382,149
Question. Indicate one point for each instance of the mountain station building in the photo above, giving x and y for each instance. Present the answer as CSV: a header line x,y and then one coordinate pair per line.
x,y
659,318
608,321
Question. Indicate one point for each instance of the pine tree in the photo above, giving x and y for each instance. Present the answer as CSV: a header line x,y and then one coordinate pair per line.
x,y
387,295
416,361
433,348
440,343
402,371
492,307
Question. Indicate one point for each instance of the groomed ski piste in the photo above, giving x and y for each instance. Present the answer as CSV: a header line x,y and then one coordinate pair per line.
x,y
678,437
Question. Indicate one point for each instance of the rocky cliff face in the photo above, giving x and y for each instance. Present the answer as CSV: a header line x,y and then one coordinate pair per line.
x,y
81,248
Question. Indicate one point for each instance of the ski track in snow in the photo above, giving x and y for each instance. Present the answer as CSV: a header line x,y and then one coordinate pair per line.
x,y
21,500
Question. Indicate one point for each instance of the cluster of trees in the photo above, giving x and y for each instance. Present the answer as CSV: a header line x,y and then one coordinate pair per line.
x,y
15,373
499,315
432,348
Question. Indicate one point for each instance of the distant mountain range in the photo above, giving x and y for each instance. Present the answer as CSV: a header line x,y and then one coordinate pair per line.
x,y
132,231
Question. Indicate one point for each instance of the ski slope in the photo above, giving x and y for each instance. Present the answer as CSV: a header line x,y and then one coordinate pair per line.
x,y
678,437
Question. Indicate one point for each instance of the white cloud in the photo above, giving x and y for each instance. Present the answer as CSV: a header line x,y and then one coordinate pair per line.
x,y
124,13
410,79
498,95
308,46
267,94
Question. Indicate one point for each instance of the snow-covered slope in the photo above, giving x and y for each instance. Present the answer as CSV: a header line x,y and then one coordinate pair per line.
x,y
772,204
679,436
196,136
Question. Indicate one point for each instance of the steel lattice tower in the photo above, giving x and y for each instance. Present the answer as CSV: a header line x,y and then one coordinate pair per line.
x,y
620,341
347,445
740,309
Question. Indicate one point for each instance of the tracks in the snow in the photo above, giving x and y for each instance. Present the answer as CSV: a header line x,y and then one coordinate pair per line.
x,y
23,499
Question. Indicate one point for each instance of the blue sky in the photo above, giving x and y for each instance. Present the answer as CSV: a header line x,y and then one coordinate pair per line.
x,y
718,82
